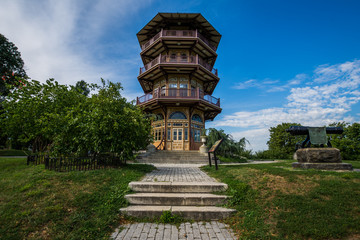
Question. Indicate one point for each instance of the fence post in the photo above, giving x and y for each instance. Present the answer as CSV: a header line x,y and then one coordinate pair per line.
x,y
47,162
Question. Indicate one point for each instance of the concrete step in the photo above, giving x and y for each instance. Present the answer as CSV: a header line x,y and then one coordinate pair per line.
x,y
173,157
187,212
176,199
178,187
171,161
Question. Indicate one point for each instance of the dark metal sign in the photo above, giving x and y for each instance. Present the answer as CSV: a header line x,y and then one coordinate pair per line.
x,y
213,150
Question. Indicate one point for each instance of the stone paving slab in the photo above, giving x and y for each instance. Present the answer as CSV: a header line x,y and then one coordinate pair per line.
x,y
176,173
196,231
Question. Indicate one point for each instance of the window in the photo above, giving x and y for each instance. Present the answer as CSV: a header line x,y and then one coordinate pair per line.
x,y
186,134
177,115
183,90
184,57
169,134
196,118
197,135
180,134
173,57
157,135
174,134
172,89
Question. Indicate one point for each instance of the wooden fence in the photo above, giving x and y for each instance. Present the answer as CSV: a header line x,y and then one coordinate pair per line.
x,y
66,164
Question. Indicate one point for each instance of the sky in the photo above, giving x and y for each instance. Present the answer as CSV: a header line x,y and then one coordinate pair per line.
x,y
278,61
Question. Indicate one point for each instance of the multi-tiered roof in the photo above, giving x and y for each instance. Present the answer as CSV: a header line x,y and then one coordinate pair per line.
x,y
184,31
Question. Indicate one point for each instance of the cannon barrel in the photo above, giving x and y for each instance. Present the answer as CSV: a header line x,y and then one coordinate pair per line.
x,y
302,130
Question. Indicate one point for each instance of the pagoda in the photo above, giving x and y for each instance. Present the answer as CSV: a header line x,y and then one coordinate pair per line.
x,y
178,78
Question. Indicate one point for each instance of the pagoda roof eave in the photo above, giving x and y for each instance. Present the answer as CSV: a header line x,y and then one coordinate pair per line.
x,y
161,19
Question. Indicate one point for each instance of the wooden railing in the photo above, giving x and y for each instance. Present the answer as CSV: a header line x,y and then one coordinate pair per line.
x,y
169,59
177,34
163,93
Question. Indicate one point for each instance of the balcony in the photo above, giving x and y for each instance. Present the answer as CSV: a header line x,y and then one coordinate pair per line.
x,y
177,34
171,59
174,93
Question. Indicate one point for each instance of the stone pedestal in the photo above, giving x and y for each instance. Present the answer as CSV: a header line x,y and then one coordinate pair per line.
x,y
320,158
203,149
150,148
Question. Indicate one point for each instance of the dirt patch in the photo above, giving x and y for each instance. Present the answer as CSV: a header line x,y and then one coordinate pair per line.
x,y
300,185
353,237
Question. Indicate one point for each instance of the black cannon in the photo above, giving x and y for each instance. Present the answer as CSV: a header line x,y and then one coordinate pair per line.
x,y
302,130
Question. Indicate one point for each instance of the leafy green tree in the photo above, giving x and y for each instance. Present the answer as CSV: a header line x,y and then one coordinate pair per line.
x,y
281,143
229,147
63,120
349,141
82,87
11,66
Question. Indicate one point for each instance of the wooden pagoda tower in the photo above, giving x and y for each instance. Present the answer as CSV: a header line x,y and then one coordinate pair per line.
x,y
178,78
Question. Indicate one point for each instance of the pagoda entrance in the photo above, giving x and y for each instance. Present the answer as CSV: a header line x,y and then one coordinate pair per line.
x,y
177,141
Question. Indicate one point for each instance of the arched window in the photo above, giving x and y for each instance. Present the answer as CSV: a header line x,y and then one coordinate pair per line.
x,y
158,117
196,118
177,115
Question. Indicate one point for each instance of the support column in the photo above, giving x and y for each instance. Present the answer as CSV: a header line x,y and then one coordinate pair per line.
x,y
165,129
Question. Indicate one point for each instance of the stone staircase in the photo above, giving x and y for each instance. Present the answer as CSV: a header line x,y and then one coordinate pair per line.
x,y
191,200
181,157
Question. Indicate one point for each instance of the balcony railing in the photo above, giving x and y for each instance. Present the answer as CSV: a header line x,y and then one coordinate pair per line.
x,y
166,93
178,59
178,34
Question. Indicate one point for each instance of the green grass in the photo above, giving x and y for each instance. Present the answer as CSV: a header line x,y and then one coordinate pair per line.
x,y
231,160
41,204
13,152
276,202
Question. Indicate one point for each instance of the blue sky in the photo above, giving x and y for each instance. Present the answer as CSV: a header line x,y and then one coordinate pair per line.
x,y
279,61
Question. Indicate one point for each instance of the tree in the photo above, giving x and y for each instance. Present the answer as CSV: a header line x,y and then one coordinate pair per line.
x,y
11,66
349,141
82,87
61,119
281,143
229,147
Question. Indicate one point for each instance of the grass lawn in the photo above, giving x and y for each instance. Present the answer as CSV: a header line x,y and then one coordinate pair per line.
x,y
13,152
231,160
276,202
41,204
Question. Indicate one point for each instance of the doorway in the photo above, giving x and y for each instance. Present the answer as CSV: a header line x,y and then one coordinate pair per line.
x,y
177,141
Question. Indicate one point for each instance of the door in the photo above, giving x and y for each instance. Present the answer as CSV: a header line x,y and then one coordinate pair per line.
x,y
177,143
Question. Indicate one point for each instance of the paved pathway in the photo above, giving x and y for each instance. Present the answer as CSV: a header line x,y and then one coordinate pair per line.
x,y
197,230
177,173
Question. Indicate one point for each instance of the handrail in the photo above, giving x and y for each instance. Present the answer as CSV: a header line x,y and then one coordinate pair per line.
x,y
174,59
181,93
178,34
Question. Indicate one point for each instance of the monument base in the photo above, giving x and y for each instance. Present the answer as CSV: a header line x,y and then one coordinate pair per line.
x,y
323,166
320,158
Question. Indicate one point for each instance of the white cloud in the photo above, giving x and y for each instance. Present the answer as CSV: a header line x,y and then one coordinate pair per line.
x,y
271,85
59,39
256,137
247,84
329,101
